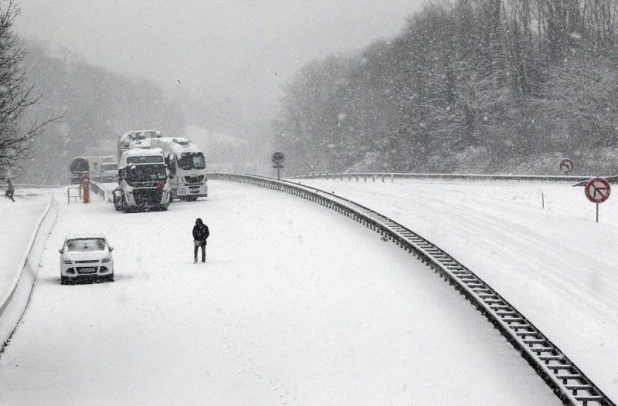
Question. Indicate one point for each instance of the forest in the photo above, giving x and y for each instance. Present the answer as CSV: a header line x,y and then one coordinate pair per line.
x,y
470,86
89,104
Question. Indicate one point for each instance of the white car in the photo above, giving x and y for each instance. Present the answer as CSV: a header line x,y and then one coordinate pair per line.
x,y
86,256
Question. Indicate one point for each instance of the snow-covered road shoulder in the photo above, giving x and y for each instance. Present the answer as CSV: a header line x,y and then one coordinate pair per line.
x,y
25,231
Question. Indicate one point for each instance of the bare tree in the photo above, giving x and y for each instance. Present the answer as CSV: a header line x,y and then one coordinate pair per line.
x,y
16,93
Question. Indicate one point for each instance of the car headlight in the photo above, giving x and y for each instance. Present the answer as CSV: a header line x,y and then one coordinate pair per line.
x,y
67,261
106,259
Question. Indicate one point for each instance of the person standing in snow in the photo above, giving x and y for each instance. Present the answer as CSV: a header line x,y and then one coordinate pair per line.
x,y
200,234
10,190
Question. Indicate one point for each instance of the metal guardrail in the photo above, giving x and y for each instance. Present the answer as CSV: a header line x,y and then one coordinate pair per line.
x,y
99,189
567,381
75,196
383,176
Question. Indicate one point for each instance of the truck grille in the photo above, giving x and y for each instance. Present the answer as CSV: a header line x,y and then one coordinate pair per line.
x,y
147,197
194,179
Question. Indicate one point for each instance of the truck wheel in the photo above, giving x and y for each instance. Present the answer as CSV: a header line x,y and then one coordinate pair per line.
x,y
123,204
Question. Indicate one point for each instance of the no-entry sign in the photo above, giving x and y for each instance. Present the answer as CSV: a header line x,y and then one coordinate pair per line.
x,y
566,165
597,190
278,158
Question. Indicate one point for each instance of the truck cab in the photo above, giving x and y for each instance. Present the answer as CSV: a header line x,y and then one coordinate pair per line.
x,y
142,181
187,166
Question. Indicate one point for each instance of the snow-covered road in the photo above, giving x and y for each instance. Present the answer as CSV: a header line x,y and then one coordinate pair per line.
x,y
296,305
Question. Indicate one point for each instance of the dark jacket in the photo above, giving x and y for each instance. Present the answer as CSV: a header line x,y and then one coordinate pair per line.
x,y
200,231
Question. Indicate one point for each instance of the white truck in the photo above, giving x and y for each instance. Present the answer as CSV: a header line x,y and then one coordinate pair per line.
x,y
102,168
99,168
187,167
143,182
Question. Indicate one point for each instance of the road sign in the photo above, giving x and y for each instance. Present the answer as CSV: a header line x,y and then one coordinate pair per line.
x,y
278,158
312,165
597,190
566,165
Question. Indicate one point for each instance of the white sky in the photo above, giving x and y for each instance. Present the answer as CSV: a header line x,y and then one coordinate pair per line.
x,y
247,48
301,305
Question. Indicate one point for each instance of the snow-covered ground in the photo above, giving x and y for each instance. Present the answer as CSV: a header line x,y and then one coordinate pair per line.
x,y
18,221
538,244
299,305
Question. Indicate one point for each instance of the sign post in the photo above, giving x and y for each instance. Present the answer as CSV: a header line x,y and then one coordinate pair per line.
x,y
597,191
278,159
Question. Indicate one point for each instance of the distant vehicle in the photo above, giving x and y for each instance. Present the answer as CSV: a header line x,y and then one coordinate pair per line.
x,y
187,166
99,168
109,172
86,257
102,168
142,181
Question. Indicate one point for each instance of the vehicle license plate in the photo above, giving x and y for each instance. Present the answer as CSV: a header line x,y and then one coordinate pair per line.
x,y
87,270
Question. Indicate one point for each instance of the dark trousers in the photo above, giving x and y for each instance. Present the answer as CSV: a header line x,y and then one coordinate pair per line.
x,y
196,246
9,194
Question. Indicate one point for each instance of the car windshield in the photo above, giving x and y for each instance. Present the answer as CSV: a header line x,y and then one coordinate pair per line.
x,y
85,244
192,160
146,173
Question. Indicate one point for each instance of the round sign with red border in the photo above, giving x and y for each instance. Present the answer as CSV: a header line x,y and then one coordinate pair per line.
x,y
278,158
597,190
566,165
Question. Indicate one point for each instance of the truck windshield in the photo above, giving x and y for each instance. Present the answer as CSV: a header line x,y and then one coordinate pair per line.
x,y
146,173
145,159
109,167
191,160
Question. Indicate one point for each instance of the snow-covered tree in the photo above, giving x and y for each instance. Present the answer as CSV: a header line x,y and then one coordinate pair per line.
x,y
16,93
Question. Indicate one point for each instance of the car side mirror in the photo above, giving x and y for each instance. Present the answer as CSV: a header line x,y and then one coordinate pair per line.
x,y
111,249
61,250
